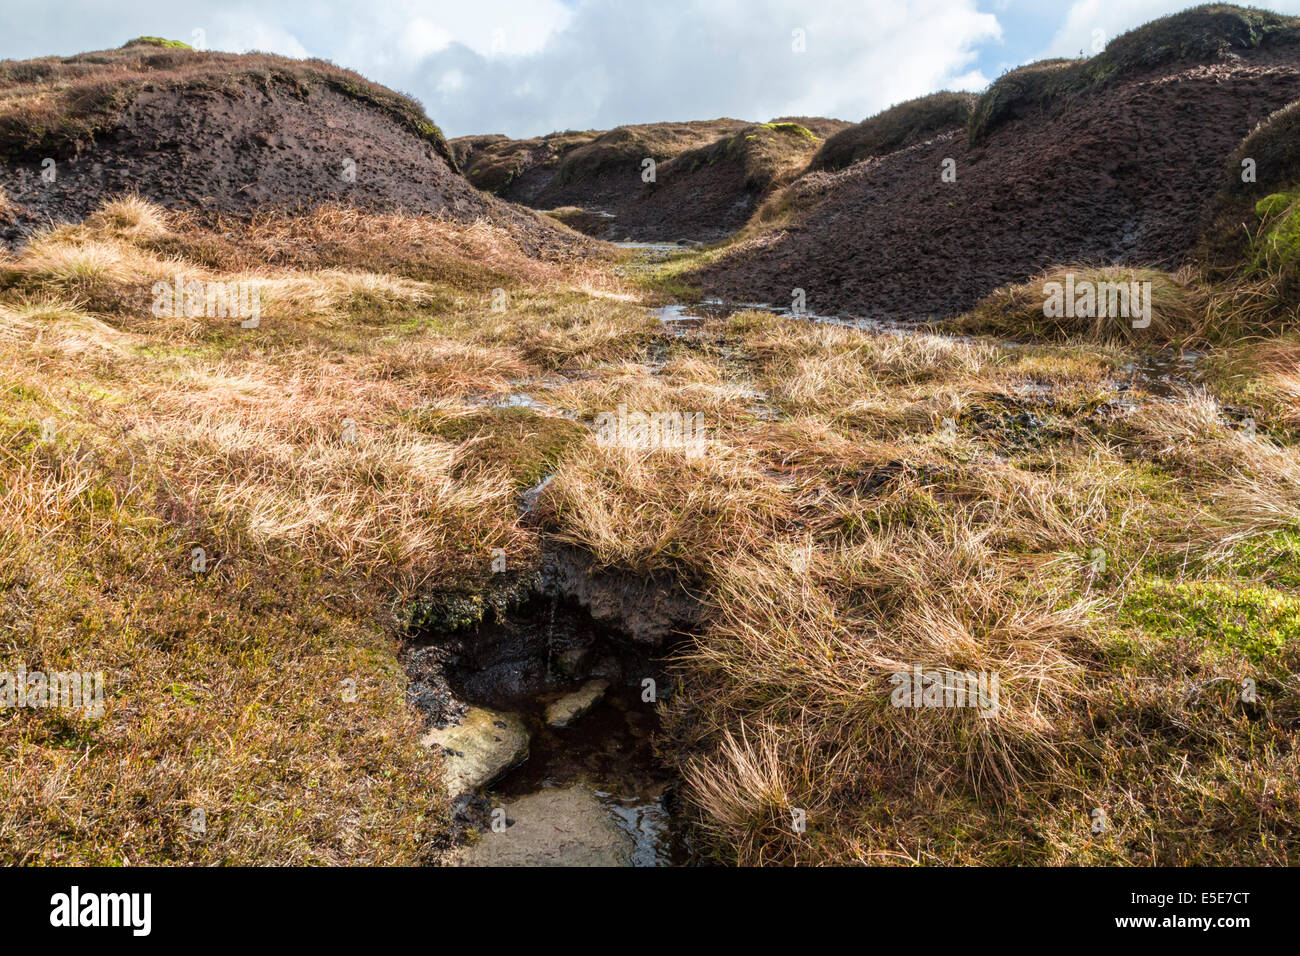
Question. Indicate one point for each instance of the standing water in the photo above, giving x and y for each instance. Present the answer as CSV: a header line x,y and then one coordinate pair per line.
x,y
591,789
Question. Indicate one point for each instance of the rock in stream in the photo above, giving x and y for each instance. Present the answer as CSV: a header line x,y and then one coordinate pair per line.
x,y
572,706
558,827
479,749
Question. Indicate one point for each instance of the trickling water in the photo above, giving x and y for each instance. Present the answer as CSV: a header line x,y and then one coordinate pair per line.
x,y
550,639
1162,374
1165,374
528,499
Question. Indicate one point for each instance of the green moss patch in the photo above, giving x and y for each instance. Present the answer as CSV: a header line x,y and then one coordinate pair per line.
x,y
1224,618
157,41
793,129
1272,558
1276,245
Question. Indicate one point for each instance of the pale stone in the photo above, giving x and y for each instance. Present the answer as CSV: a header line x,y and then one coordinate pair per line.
x,y
479,749
572,706
561,827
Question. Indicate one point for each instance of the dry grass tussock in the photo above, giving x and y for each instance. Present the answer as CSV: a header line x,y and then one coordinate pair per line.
x,y
1183,308
1047,538
293,455
859,505
1177,308
473,255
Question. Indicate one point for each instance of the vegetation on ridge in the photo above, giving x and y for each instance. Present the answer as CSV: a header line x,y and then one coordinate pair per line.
x,y
895,128
56,106
1204,33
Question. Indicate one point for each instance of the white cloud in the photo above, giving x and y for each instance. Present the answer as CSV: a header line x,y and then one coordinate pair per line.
x,y
238,36
422,37
525,67
451,82
616,62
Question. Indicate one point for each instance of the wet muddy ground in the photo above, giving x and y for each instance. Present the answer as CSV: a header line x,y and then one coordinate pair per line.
x,y
520,662
610,750
575,629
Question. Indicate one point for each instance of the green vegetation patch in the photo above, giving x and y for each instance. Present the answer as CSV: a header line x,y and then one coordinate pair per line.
x,y
793,129
896,128
157,41
1275,247
1224,618
1273,558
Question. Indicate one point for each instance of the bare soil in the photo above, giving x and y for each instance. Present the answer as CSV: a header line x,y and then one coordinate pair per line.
x,y
710,176
248,147
1120,176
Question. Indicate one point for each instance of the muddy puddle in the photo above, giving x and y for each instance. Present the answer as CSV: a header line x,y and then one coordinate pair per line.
x,y
677,315
1165,374
651,246
678,319
515,400
610,752
580,700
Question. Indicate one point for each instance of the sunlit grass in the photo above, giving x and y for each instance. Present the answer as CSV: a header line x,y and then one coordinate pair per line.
x,y
859,503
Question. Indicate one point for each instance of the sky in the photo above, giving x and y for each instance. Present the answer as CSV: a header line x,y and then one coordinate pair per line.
x,y
529,67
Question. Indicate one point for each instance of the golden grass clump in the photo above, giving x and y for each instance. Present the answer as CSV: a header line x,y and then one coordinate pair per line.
x,y
1177,309
858,504
291,455
129,217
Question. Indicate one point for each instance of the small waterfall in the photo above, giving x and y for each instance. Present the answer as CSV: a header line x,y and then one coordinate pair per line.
x,y
550,639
